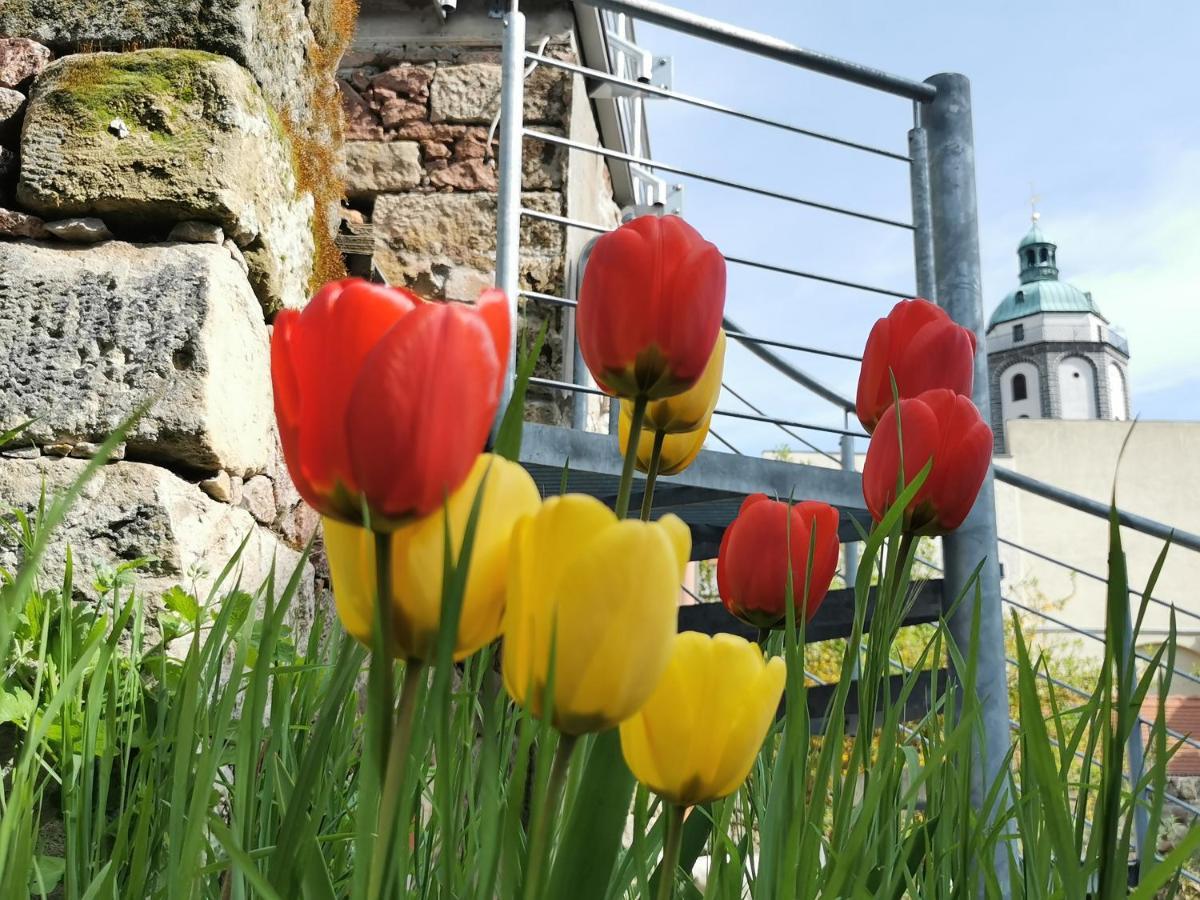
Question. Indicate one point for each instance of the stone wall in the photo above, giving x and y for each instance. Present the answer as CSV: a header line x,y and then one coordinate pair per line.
x,y
167,183
421,176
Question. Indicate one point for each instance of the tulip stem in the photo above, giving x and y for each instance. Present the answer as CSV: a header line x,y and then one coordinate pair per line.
x,y
635,431
414,671
652,473
539,849
666,885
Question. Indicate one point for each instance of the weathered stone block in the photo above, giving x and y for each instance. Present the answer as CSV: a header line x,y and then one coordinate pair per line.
x,y
11,104
374,167
130,510
89,333
268,37
471,94
203,144
14,224
421,238
20,58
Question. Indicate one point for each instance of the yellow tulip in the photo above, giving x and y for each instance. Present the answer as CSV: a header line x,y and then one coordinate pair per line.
x,y
689,410
612,589
699,733
678,450
418,558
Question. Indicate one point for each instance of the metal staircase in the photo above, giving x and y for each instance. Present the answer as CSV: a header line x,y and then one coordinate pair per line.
x,y
944,230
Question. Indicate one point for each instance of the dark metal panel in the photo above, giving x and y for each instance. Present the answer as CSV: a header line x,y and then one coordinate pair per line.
x,y
916,705
834,619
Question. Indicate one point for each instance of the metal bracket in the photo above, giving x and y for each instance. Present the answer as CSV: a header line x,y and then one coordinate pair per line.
x,y
656,71
664,199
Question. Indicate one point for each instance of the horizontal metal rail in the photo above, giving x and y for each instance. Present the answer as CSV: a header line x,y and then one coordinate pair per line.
x,y
732,333
769,47
732,448
733,414
743,338
782,428
1175,801
552,299
567,222
1100,510
801,378
1080,692
655,91
712,179
1083,632
1092,575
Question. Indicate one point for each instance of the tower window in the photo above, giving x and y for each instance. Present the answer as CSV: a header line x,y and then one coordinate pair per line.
x,y
1020,391
1030,258
1043,255
1018,336
1020,296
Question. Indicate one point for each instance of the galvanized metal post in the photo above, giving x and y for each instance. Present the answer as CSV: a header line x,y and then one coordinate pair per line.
x,y
850,548
508,208
955,225
918,152
1135,749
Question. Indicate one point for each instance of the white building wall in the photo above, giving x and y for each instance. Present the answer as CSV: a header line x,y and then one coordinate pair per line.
x,y
1030,407
1159,477
1077,388
1118,395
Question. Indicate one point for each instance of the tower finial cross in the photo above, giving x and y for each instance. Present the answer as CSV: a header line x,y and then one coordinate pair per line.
x,y
1033,202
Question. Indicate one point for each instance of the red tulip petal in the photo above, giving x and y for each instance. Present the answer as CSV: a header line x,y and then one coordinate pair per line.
x,y
922,436
330,340
493,307
426,394
874,376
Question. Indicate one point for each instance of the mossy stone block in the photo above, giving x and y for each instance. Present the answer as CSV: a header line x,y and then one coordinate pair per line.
x,y
147,139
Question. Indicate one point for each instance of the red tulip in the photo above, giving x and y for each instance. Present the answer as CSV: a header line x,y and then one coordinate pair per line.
x,y
650,306
939,425
380,395
922,348
752,564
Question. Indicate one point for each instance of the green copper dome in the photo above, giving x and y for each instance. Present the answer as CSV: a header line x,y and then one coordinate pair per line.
x,y
1040,290
1034,236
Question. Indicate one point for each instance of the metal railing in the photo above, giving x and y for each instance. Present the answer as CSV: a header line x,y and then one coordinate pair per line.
x,y
946,269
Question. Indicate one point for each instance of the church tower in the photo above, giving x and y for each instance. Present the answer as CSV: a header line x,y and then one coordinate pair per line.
x,y
1051,353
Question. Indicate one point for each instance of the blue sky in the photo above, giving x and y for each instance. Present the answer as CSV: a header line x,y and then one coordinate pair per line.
x,y
1098,105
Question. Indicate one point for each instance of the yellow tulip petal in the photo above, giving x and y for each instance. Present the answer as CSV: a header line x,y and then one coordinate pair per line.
x,y
680,450
418,558
667,731
684,412
351,553
760,704
680,537
544,545
617,613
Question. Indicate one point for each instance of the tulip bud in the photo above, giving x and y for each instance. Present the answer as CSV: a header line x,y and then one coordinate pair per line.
x,y
650,305
385,398
678,450
697,736
418,563
604,592
938,425
920,346
752,563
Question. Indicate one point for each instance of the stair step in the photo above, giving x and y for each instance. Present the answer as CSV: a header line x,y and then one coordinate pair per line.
x,y
834,619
